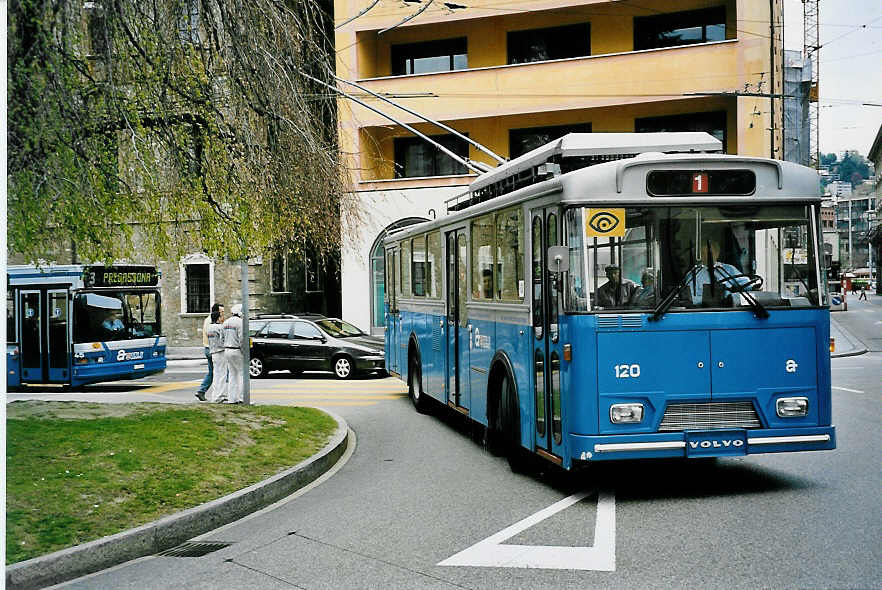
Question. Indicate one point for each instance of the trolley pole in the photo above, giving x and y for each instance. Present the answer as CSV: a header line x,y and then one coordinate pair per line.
x,y
246,339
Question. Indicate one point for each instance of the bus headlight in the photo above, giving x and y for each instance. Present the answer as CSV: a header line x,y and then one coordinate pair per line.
x,y
625,413
791,407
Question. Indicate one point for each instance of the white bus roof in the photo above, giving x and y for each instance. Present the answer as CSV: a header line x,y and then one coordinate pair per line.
x,y
601,144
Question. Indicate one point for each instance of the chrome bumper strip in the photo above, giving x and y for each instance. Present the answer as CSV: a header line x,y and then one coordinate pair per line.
x,y
774,440
639,446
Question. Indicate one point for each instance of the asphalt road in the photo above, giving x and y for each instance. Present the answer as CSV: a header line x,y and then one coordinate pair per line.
x,y
417,491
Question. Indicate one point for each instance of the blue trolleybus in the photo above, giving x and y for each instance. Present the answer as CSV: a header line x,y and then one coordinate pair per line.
x,y
72,325
621,296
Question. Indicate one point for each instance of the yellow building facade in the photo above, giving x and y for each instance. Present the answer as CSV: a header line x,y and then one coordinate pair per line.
x,y
512,74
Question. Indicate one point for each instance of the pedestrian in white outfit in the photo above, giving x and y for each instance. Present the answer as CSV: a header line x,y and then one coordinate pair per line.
x,y
217,391
233,356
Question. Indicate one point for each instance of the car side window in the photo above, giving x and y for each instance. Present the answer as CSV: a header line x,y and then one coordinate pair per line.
x,y
278,329
306,331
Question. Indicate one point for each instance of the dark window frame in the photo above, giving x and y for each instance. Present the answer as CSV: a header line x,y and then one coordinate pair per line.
x,y
557,131
403,145
687,122
648,30
198,288
403,56
559,42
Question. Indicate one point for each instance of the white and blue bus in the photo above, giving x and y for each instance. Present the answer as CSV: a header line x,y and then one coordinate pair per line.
x,y
621,296
71,325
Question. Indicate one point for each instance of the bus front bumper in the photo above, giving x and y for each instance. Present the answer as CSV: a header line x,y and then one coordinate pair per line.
x,y
708,443
115,371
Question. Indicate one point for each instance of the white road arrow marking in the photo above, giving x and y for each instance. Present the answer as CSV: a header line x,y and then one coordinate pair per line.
x,y
491,552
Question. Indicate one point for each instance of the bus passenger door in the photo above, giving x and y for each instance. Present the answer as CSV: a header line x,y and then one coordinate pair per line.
x,y
458,336
392,316
58,340
31,337
547,348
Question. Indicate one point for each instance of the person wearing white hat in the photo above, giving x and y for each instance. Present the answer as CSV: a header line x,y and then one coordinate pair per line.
x,y
233,355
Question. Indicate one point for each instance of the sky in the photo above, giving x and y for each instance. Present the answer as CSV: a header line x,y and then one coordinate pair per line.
x,y
850,70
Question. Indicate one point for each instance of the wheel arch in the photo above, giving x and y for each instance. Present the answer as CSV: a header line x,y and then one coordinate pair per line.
x,y
500,366
413,352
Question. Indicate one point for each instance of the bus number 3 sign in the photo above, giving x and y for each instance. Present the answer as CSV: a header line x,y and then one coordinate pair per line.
x,y
627,371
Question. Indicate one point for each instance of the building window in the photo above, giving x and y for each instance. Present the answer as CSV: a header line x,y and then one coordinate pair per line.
x,y
680,28
521,141
314,272
415,157
97,26
712,122
281,274
430,56
551,43
188,21
197,284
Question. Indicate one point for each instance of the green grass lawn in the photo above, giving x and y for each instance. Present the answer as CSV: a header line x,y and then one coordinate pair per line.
x,y
79,471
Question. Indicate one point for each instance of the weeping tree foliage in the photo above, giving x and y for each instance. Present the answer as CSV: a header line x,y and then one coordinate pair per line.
x,y
171,124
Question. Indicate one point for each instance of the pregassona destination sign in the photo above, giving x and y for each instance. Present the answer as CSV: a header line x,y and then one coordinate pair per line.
x,y
120,276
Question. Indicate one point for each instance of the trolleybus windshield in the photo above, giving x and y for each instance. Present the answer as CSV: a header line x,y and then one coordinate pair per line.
x,y
715,257
115,315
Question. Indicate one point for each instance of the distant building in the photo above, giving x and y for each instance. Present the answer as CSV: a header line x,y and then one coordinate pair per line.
x,y
876,230
854,212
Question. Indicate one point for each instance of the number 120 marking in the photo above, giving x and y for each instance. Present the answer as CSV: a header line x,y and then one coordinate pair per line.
x,y
627,371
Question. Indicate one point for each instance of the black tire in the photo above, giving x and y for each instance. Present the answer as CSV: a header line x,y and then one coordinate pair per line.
x,y
415,387
510,426
256,367
343,367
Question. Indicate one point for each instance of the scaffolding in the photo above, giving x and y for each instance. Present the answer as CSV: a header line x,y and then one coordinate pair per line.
x,y
811,47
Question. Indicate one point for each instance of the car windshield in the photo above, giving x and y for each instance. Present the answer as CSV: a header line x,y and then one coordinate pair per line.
x,y
338,328
714,257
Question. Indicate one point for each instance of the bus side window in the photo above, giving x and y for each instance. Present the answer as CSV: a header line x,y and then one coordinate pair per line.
x,y
483,234
10,317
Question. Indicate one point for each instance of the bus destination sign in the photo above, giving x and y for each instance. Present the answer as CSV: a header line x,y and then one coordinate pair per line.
x,y
120,276
703,183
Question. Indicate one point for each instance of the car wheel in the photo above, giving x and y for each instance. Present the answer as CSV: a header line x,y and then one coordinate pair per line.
x,y
256,367
414,388
343,368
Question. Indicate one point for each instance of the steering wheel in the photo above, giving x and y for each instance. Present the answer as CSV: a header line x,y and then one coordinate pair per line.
x,y
736,286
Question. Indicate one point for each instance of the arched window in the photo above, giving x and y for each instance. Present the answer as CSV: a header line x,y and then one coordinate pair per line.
x,y
377,274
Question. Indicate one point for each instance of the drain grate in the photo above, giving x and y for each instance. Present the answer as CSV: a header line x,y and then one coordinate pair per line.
x,y
191,549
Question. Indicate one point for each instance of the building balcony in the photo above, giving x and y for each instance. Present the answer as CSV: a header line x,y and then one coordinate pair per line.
x,y
596,81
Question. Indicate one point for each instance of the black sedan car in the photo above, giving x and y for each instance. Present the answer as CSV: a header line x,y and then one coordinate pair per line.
x,y
313,343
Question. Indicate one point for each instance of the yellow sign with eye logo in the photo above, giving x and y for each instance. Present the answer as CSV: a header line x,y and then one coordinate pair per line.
x,y
605,223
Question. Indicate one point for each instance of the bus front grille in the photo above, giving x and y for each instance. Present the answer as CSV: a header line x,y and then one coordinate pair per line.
x,y
709,416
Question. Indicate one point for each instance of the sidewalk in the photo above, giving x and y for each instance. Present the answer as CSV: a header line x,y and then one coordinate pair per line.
x,y
177,353
846,343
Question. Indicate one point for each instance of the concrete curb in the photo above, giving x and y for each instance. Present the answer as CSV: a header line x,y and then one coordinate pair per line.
x,y
174,529
858,346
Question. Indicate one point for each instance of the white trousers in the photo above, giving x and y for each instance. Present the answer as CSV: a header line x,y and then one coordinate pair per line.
x,y
233,359
219,384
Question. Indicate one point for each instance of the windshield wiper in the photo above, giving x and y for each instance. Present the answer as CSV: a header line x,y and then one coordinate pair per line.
x,y
757,307
666,303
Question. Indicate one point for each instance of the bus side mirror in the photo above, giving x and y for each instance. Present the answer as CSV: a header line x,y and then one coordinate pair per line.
x,y
558,259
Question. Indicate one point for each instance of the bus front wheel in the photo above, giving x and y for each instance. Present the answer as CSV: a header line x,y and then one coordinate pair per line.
x,y
510,426
414,387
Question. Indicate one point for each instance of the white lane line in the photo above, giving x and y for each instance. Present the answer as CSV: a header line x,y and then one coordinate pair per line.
x,y
491,552
848,390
